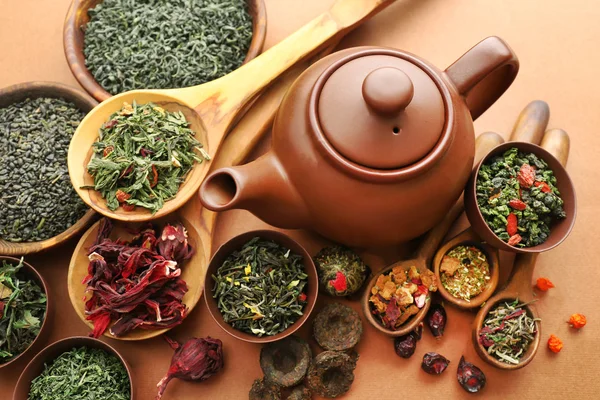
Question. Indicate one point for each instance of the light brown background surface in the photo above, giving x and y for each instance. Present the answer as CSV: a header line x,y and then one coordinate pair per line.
x,y
557,44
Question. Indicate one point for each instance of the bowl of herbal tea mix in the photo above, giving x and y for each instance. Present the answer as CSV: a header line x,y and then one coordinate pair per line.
x,y
508,332
136,281
38,206
145,162
76,368
23,309
263,286
161,44
520,199
467,273
396,295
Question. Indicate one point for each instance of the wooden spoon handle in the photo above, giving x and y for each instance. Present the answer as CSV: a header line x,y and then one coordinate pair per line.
x,y
483,144
557,143
531,123
243,84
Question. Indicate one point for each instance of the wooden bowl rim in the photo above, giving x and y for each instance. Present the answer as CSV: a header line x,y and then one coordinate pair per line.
x,y
410,324
78,341
39,279
76,59
281,238
148,333
481,227
478,323
36,89
493,261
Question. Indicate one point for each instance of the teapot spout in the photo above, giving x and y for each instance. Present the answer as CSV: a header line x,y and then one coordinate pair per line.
x,y
261,187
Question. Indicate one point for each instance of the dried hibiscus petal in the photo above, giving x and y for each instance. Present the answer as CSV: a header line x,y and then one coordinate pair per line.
x,y
434,363
173,243
196,360
436,320
470,377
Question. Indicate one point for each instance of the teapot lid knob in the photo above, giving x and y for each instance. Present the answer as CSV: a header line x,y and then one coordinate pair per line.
x,y
387,90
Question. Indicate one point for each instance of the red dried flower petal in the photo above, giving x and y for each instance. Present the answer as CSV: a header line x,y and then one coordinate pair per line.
x,y
339,283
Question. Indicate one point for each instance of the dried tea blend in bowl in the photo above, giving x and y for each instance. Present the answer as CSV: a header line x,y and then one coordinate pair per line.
x,y
465,272
165,44
37,201
518,198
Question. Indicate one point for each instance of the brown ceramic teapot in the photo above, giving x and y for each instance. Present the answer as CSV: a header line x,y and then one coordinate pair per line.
x,y
371,146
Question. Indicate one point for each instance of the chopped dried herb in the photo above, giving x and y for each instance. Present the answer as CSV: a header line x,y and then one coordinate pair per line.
x,y
341,271
82,374
465,272
337,327
398,295
22,310
518,198
508,331
260,288
142,156
134,281
165,44
196,360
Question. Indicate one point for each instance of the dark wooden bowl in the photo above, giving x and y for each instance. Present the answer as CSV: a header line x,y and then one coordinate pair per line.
x,y
36,366
237,242
30,273
73,36
20,92
559,230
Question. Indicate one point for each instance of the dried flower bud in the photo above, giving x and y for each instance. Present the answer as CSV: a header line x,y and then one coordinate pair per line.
x,y
436,320
434,363
470,377
195,360
173,243
577,321
544,284
555,344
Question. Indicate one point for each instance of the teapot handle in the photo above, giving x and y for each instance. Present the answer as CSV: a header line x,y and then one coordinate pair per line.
x,y
484,73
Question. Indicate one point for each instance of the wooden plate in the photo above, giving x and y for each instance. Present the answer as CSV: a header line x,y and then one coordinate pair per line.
x,y
20,92
73,36
192,272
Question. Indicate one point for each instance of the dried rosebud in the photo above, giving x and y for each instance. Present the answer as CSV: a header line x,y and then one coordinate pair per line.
x,y
196,360
405,345
434,363
173,243
469,376
436,320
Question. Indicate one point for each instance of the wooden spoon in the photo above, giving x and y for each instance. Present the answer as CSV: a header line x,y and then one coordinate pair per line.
x,y
422,260
213,107
529,127
556,141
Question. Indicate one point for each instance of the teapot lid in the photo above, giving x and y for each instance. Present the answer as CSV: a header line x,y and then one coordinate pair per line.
x,y
380,111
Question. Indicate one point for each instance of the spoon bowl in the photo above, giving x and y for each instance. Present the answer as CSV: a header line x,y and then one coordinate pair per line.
x,y
212,108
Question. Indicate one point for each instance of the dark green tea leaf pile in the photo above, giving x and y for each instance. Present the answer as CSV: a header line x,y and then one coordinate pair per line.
x,y
37,201
82,374
22,310
161,44
498,184
142,156
260,289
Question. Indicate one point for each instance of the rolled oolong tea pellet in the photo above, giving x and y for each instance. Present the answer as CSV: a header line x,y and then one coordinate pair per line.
x,y
37,201
165,44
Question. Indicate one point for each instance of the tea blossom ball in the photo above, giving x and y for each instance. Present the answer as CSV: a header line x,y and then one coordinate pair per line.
x,y
341,271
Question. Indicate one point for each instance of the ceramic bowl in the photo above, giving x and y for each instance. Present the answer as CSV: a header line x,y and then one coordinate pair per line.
x,y
73,37
236,243
30,273
20,92
192,271
36,366
559,230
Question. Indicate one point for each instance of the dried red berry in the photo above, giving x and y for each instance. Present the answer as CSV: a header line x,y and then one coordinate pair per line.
x,y
436,320
514,240
526,175
511,224
517,204
469,376
405,345
122,196
543,186
128,207
195,360
434,363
